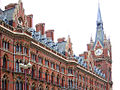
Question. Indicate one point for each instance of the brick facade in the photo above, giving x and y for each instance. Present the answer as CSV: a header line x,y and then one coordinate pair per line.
x,y
53,67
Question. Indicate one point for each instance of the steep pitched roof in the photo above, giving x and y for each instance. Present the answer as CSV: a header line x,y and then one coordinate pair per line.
x,y
9,13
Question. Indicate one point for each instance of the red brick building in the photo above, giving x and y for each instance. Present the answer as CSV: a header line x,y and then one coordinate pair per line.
x,y
54,66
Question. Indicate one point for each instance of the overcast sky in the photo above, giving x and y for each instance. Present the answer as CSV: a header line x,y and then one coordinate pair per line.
x,y
77,18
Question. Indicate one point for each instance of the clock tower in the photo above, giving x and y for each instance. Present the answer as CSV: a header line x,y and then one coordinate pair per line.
x,y
101,50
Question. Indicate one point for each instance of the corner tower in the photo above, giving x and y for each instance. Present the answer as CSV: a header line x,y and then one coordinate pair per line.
x,y
101,50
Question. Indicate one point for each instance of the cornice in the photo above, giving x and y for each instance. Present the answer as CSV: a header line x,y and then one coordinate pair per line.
x,y
91,73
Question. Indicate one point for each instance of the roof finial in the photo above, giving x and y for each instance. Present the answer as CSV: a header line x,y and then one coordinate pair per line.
x,y
91,40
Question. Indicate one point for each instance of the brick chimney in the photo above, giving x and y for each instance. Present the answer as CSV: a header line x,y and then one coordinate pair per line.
x,y
61,40
85,55
9,6
40,27
30,20
50,34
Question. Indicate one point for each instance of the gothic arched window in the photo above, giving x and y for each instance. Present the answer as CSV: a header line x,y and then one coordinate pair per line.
x,y
33,86
47,88
58,80
20,21
17,66
40,73
33,71
46,76
4,83
19,84
40,87
52,77
63,80
4,61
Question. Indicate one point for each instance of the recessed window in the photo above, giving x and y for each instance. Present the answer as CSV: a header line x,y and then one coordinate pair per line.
x,y
80,77
40,60
63,69
33,56
5,45
52,65
70,71
25,50
57,67
46,63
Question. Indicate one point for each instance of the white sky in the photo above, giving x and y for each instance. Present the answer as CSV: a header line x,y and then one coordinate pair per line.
x,y
77,18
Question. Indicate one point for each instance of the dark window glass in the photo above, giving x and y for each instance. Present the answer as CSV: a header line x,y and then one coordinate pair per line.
x,y
57,67
4,62
17,85
40,60
17,66
17,48
46,63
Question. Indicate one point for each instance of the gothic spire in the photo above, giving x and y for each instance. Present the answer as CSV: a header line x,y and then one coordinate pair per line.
x,y
99,18
99,29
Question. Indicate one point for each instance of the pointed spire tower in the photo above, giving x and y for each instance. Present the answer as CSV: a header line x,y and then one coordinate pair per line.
x,y
99,30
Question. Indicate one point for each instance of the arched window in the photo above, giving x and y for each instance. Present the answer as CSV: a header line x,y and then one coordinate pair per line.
x,y
58,80
52,77
33,71
20,48
17,48
46,76
20,21
27,85
18,69
5,45
40,73
4,83
40,87
19,84
63,80
33,86
70,82
17,66
4,61
47,88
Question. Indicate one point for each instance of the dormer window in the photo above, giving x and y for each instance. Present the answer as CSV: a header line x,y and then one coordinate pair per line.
x,y
20,22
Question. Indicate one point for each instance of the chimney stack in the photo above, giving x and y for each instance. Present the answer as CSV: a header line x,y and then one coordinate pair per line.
x,y
40,27
30,20
61,40
50,34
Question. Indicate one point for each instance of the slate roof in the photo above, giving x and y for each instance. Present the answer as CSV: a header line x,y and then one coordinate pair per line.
x,y
9,14
1,11
61,46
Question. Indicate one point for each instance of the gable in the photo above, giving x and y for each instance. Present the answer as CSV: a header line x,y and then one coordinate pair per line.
x,y
98,44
